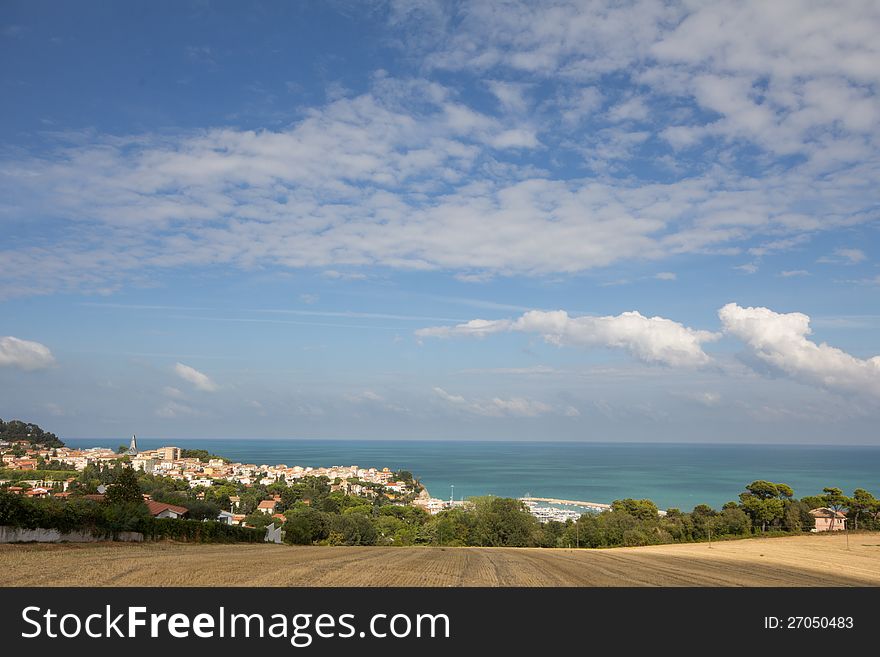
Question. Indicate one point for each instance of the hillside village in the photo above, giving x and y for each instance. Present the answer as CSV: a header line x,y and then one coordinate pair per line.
x,y
201,472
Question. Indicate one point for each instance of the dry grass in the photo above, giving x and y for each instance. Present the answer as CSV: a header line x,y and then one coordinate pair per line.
x,y
819,560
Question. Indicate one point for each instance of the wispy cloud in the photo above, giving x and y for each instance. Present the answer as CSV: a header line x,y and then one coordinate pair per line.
x,y
845,256
499,407
198,379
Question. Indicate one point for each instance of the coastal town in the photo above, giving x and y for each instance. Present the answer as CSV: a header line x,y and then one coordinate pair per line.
x,y
201,473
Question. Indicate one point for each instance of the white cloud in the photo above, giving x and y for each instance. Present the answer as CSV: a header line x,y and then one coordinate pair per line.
x,y
24,354
373,181
407,176
853,255
780,340
634,109
515,138
789,273
512,96
654,340
843,257
193,376
665,276
747,268
498,407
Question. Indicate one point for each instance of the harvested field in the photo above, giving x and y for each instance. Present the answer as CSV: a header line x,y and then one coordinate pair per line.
x,y
816,560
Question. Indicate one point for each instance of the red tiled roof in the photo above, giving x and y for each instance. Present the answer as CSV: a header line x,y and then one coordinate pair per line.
x,y
156,508
267,504
826,513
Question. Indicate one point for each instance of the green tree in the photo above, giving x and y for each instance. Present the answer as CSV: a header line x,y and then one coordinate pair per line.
x,y
640,509
703,517
733,521
201,509
125,488
353,529
306,526
502,521
863,503
259,520
763,501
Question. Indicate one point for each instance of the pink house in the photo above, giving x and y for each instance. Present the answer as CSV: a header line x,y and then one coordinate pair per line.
x,y
828,520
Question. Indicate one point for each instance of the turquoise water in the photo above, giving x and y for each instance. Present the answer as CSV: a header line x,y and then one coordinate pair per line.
x,y
672,475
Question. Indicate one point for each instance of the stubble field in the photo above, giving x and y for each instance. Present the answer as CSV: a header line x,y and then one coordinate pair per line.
x,y
817,560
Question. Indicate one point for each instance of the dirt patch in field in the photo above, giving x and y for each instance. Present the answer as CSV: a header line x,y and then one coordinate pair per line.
x,y
822,560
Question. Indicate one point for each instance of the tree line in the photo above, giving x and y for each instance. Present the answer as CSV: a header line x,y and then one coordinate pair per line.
x,y
317,513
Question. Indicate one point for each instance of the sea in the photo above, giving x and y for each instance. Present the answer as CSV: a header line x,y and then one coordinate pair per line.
x,y
679,475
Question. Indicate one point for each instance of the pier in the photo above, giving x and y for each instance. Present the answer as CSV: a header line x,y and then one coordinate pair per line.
x,y
552,500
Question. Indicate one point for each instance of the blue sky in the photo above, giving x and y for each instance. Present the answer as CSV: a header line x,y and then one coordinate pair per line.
x,y
556,221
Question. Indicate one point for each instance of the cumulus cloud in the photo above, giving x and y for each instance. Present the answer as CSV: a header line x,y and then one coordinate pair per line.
x,y
24,354
780,340
499,407
655,340
200,380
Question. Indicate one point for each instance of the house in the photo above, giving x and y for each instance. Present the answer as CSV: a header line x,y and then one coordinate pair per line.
x,y
163,510
267,507
828,520
37,492
226,517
